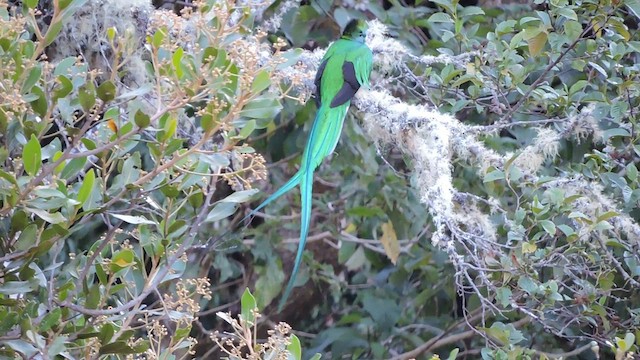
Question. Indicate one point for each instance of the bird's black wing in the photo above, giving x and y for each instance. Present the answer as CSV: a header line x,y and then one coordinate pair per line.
x,y
318,80
350,86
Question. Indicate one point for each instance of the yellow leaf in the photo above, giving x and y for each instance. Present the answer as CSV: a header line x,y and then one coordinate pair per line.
x,y
121,262
389,241
536,43
351,228
112,125
471,69
528,248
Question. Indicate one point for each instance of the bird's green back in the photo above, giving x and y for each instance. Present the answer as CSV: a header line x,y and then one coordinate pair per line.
x,y
341,51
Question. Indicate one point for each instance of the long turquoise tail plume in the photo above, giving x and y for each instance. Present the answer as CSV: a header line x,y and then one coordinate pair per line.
x,y
322,141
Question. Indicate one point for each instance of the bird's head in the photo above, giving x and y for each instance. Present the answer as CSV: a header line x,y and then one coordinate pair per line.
x,y
356,30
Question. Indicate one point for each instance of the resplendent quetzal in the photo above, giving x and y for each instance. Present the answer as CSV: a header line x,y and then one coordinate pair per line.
x,y
344,68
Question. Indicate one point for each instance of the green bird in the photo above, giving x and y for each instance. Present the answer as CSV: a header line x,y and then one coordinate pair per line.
x,y
344,68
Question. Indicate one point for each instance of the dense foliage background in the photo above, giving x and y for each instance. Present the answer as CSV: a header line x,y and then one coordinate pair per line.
x,y
482,202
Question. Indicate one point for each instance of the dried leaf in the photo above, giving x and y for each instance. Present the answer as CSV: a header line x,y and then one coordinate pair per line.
x,y
389,241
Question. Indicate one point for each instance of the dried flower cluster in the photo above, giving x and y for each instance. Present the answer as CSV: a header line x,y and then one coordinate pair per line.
x,y
187,296
242,342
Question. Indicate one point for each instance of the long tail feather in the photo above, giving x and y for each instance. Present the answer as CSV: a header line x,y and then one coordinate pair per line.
x,y
290,184
306,189
322,140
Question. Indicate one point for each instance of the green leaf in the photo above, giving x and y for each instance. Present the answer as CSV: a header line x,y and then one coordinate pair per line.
x,y
122,260
240,196
106,332
607,215
448,5
366,211
32,79
92,296
102,275
526,284
527,19
158,38
10,178
632,172
453,355
440,17
135,220
599,69
270,281
573,29
567,13
385,312
87,97
261,81
471,11
65,66
220,211
28,238
23,347
176,60
52,218
63,88
505,27
111,33
578,215
248,306
55,158
118,347
52,318
618,110
503,295
624,344
615,132
71,6
169,129
208,122
263,107
493,176
566,230
32,156
630,339
17,287
73,167
294,348
181,333
634,7
247,129
86,188
602,225
356,260
497,333
52,32
548,226
141,119
106,91
578,86
39,103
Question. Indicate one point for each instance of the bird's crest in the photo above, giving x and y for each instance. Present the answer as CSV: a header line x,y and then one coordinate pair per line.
x,y
356,29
